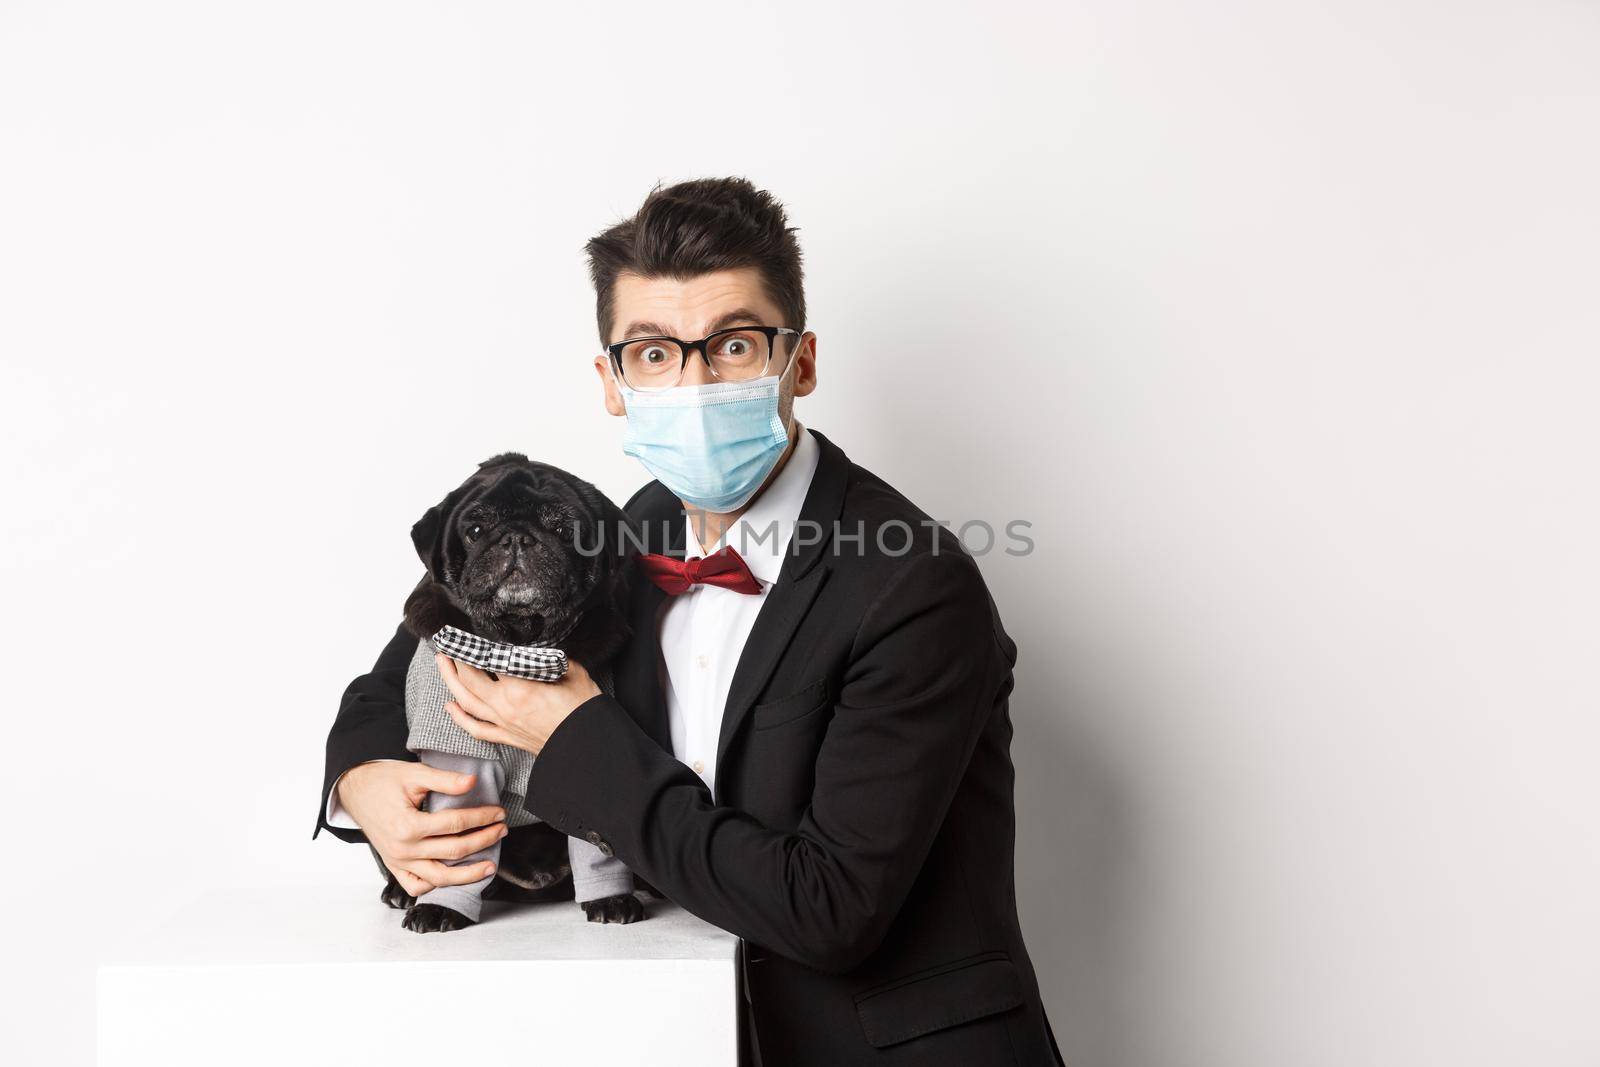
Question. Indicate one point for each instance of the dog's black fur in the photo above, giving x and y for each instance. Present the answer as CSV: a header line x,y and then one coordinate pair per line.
x,y
503,561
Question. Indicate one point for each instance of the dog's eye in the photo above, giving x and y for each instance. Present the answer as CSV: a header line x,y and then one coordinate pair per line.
x,y
555,520
474,532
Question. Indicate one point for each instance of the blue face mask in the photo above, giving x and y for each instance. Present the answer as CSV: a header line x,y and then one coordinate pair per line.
x,y
712,445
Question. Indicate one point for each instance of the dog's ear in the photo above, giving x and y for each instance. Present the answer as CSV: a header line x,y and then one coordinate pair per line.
x,y
610,560
429,606
611,568
502,459
430,533
427,535
609,520
604,627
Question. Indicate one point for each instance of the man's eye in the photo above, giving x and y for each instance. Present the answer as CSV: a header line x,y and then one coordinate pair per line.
x,y
654,355
736,349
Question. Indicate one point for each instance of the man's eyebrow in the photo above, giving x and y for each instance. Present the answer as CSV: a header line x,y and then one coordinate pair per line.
x,y
644,329
736,317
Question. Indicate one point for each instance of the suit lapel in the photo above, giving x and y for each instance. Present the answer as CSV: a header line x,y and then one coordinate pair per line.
x,y
639,666
801,578
780,616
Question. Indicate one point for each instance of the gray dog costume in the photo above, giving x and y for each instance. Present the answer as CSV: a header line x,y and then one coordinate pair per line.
x,y
502,779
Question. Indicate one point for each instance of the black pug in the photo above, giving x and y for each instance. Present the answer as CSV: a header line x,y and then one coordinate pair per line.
x,y
523,553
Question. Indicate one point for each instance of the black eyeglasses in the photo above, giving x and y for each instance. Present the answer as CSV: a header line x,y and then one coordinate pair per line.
x,y
734,355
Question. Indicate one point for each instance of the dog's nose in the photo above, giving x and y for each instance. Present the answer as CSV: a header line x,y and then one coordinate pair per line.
x,y
514,537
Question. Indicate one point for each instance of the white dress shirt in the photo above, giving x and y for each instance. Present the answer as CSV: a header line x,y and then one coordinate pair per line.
x,y
702,631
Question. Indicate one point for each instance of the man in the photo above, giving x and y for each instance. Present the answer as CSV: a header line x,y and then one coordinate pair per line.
x,y
809,741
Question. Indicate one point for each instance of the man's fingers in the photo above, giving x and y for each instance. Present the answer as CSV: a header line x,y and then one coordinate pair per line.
x,y
439,874
413,885
473,680
483,731
470,723
465,682
426,824
450,674
459,846
433,780
459,821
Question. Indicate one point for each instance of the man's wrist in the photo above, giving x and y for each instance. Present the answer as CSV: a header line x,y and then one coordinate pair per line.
x,y
337,815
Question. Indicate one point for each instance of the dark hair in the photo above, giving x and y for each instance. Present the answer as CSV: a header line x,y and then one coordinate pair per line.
x,y
696,227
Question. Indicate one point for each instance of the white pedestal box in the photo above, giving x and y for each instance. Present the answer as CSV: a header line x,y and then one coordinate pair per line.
x,y
327,976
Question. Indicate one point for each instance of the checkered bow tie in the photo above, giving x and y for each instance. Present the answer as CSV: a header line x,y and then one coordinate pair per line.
x,y
539,663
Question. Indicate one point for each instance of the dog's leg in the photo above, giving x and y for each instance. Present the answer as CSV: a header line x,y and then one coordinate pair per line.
x,y
455,907
603,884
391,894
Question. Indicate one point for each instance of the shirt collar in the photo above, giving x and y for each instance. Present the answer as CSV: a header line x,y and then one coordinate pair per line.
x,y
762,534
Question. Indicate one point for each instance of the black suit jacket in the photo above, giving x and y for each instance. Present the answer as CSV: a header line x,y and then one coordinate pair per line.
x,y
861,840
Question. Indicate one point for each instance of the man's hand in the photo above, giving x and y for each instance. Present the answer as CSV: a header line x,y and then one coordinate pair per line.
x,y
512,711
385,800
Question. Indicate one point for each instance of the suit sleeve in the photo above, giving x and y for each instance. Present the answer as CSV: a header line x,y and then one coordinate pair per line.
x,y
371,724
924,675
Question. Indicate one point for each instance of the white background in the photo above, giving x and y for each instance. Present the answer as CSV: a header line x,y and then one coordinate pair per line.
x,y
1278,320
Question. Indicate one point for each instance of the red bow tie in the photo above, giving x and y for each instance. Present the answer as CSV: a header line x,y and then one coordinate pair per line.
x,y
722,568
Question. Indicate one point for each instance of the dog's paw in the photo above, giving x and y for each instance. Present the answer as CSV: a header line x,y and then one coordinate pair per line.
x,y
434,918
396,897
622,908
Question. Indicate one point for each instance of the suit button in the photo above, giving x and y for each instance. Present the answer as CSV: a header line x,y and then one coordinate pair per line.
x,y
594,838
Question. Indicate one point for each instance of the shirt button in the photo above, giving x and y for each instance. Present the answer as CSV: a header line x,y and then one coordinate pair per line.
x,y
699,766
702,662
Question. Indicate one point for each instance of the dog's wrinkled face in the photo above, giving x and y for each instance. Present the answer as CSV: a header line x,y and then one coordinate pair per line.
x,y
514,548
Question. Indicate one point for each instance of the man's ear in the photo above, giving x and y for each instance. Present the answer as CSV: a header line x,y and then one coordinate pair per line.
x,y
608,382
805,371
